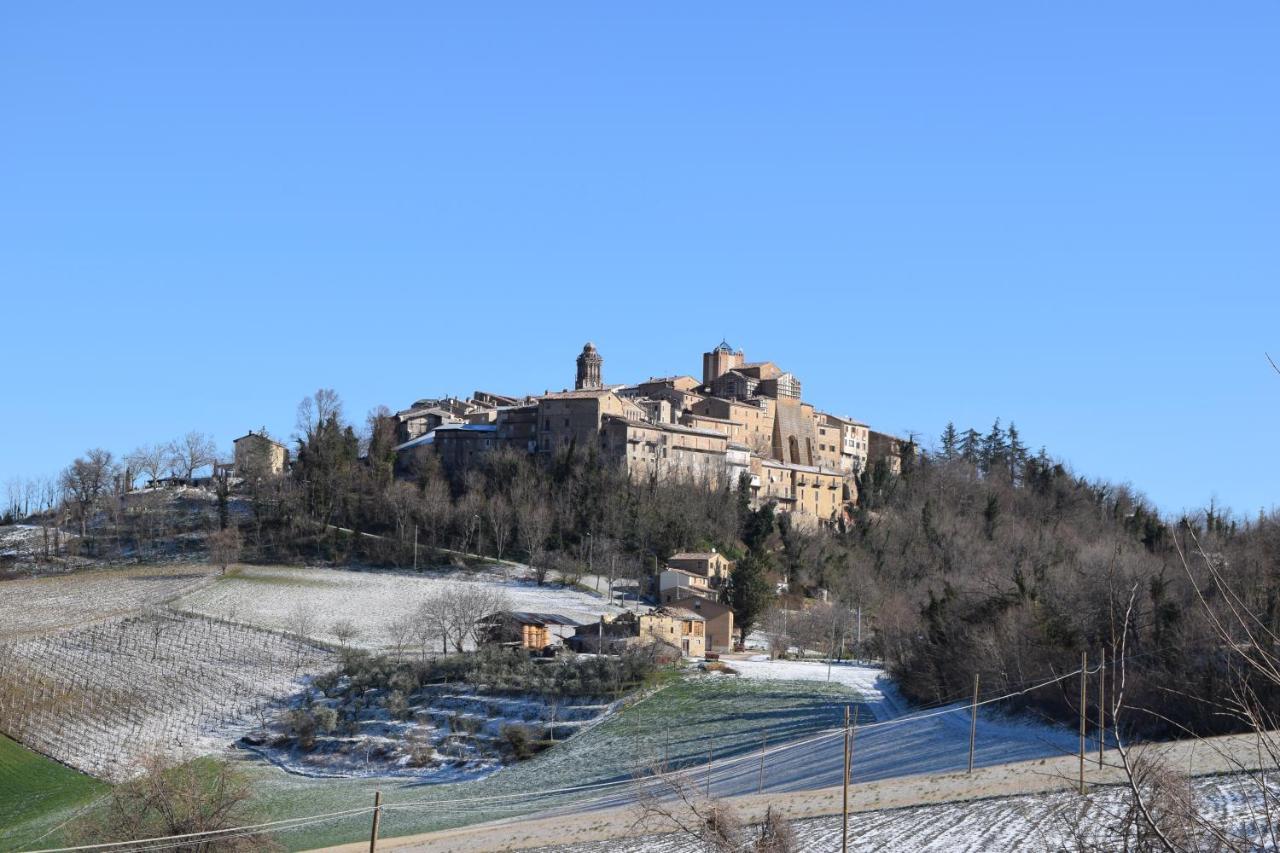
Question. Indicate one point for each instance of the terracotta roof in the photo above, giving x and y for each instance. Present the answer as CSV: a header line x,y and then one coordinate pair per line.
x,y
694,555
680,613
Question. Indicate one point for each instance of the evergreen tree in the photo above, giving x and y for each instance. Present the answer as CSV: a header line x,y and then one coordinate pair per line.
x,y
950,442
1017,454
748,591
971,446
994,451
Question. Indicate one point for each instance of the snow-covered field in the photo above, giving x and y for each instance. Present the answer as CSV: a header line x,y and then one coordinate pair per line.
x,y
39,605
100,697
1038,822
270,597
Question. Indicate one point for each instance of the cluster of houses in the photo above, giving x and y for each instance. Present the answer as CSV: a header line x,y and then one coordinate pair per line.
x,y
743,422
690,621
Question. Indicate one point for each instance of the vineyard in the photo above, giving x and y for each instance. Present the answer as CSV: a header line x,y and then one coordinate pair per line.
x,y
99,697
40,605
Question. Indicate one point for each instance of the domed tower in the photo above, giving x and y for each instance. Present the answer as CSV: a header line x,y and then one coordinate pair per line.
x,y
589,364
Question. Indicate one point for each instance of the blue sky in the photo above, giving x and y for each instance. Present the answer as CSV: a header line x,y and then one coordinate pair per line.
x,y
1063,214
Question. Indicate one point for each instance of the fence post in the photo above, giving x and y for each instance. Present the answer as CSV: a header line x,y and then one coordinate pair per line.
x,y
973,721
1084,675
844,812
764,744
1102,707
377,819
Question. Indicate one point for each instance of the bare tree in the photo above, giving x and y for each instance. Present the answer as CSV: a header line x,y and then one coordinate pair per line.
x,y
345,630
501,522
301,620
672,803
85,482
431,620
534,526
400,629
434,508
315,410
224,547
190,453
149,460
177,799
465,604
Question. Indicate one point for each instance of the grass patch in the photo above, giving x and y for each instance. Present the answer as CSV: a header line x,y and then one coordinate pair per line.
x,y
273,577
38,793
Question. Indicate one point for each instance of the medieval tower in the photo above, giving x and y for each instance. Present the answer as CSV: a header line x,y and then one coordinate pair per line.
x,y
589,364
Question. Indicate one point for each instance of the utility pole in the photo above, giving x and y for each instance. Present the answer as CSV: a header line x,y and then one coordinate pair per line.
x,y
973,721
859,643
1084,667
764,744
1102,707
844,811
377,819
415,547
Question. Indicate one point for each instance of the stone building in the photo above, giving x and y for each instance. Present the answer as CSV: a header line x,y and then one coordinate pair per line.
x,y
719,621
678,628
890,448
659,451
843,444
576,417
259,455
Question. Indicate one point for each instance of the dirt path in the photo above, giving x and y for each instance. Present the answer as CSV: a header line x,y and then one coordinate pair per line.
x,y
1214,755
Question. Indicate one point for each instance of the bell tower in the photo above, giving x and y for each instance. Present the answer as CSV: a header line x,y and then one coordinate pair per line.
x,y
589,364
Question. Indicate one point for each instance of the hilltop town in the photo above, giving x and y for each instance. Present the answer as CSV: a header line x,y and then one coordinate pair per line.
x,y
743,424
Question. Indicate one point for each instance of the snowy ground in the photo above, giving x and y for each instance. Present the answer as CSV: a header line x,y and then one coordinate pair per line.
x,y
39,605
1031,823
100,697
270,597
446,735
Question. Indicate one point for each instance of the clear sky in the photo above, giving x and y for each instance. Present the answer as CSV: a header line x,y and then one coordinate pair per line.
x,y
1063,214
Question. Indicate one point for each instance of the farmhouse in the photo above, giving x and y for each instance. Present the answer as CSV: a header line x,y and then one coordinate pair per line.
x,y
678,583
719,621
259,455
536,632
677,628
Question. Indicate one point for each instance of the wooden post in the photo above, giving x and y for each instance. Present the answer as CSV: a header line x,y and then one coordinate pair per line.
x,y
710,747
377,819
415,547
1102,707
973,721
764,744
1084,667
844,812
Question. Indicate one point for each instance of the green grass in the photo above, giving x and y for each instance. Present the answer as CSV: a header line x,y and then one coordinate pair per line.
x,y
37,794
274,576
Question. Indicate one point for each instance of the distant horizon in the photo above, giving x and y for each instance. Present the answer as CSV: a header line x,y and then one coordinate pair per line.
x,y
1060,216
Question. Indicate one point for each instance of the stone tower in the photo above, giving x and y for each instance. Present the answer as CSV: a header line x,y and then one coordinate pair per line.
x,y
589,364
720,361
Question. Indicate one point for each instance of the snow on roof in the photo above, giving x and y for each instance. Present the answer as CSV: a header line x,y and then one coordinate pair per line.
x,y
694,555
